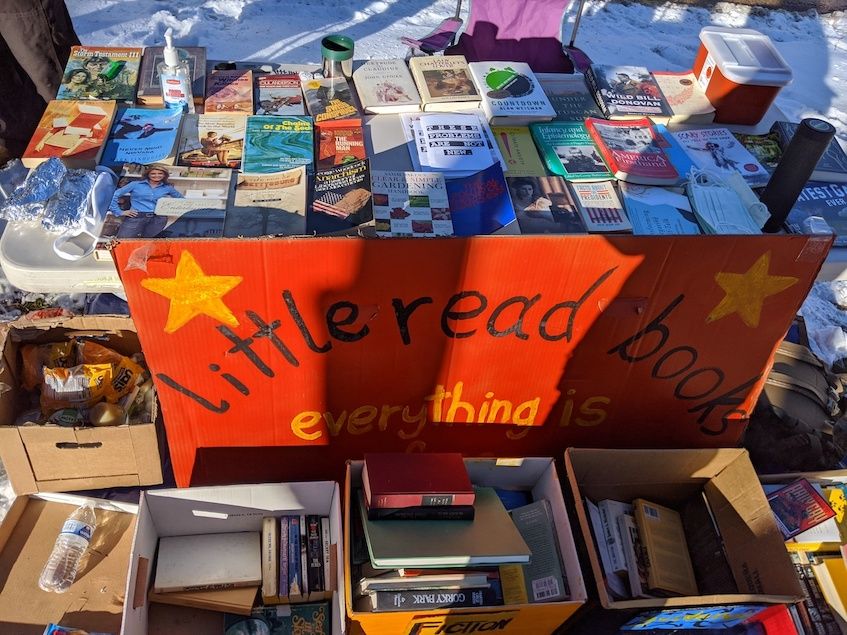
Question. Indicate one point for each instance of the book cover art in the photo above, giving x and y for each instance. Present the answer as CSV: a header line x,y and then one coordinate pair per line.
x,y
544,576
295,588
831,167
340,141
569,95
701,617
544,205
272,144
143,135
229,91
626,91
341,198
764,147
268,205
798,507
687,101
74,131
510,89
412,204
444,79
314,554
149,85
101,72
827,200
518,151
280,95
717,150
288,619
386,86
600,207
569,151
633,151
329,98
212,140
480,203
282,586
658,211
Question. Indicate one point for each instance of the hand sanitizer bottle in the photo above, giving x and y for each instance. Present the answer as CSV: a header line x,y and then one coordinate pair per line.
x,y
175,76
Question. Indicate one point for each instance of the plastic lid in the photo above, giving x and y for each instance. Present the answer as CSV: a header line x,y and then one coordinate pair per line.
x,y
745,56
337,47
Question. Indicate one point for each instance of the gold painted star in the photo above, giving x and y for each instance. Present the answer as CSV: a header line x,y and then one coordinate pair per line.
x,y
745,293
193,293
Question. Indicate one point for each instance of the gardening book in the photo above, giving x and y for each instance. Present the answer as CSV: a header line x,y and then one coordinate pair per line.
x,y
717,150
386,86
229,91
511,94
413,204
101,72
268,205
633,151
657,211
329,98
626,92
687,101
279,95
149,86
518,151
272,144
832,166
569,151
340,141
341,198
444,83
71,130
544,205
480,203
569,95
143,135
212,140
600,207
827,200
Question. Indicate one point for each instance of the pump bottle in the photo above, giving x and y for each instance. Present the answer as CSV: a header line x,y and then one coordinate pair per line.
x,y
175,76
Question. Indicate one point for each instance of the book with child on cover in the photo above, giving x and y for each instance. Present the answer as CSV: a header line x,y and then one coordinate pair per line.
x,y
101,72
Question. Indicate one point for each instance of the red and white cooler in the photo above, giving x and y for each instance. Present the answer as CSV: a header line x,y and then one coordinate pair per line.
x,y
741,73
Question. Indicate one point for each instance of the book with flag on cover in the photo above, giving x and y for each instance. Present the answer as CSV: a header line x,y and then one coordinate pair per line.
x,y
341,198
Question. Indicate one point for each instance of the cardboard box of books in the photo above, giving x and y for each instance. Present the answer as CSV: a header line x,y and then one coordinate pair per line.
x,y
509,598
678,528
94,601
211,549
52,457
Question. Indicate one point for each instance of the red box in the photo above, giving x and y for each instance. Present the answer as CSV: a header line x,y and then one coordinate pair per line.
x,y
741,73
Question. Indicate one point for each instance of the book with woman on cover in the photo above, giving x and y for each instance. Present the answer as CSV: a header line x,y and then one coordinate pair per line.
x,y
212,140
101,72
633,151
625,92
544,205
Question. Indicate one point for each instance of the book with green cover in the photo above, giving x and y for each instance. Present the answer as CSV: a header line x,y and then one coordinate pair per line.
x,y
491,538
568,151
274,143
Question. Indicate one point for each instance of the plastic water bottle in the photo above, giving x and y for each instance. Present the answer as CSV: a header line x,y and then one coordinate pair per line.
x,y
61,568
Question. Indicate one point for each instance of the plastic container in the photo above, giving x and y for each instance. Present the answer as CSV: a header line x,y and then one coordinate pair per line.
x,y
60,571
337,55
741,73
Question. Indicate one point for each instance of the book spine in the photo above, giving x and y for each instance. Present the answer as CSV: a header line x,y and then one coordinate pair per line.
x,y
514,584
456,512
295,588
430,599
204,587
304,559
314,553
325,548
270,555
382,501
591,78
283,557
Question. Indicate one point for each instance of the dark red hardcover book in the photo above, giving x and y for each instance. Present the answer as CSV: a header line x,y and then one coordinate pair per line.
x,y
393,480
633,150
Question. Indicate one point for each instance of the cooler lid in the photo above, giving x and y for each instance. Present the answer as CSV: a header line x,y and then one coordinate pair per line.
x,y
745,56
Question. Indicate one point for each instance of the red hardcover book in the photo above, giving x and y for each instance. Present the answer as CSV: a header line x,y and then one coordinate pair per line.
x,y
633,151
798,507
416,479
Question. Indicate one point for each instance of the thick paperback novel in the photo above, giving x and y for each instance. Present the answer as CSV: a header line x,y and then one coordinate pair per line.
x,y
341,198
279,95
272,144
143,135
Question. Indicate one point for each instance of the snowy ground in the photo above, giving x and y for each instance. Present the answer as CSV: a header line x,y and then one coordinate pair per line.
x,y
661,37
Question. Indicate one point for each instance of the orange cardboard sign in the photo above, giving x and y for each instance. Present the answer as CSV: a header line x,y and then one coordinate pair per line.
x,y
487,345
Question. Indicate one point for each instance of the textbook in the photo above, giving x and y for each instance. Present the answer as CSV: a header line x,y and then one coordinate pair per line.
x,y
625,92
229,91
569,95
633,151
268,205
212,140
386,86
272,144
444,83
143,135
569,151
101,72
511,94
279,95
149,86
71,130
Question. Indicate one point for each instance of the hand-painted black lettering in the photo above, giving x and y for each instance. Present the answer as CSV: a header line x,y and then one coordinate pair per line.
x,y
449,314
168,381
517,327
679,389
243,346
574,307
269,331
655,326
333,324
236,383
301,324
402,313
729,398
658,366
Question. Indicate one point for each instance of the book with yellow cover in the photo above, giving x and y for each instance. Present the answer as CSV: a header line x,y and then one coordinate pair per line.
x,y
663,538
101,72
74,131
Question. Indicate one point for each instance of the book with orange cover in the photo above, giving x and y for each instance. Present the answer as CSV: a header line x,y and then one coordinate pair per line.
x,y
229,91
340,141
74,131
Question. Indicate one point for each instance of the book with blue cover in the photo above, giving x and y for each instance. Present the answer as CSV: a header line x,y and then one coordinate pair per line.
x,y
143,135
480,203
658,211
682,163
295,580
273,144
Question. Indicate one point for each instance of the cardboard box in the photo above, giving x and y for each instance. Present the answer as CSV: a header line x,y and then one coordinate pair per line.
x,y
755,549
50,458
535,474
95,600
209,510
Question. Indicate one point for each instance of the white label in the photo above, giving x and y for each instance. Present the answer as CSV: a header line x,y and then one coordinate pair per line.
x,y
76,528
173,90
706,72
545,588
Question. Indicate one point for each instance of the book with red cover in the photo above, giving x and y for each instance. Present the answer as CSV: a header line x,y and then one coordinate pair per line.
x,y
633,150
416,479
798,507
340,141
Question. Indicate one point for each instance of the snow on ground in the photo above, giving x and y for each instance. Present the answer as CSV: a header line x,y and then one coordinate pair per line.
x,y
659,36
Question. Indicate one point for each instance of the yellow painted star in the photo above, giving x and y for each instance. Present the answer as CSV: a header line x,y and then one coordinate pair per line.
x,y
745,293
193,293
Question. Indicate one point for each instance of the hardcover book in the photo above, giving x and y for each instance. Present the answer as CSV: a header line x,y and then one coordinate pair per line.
x,y
716,150
764,147
273,144
412,204
663,539
279,95
394,581
101,72
74,131
212,140
293,619
519,151
832,166
798,507
340,141
149,86
444,83
511,94
268,205
386,86
428,599
143,135
569,95
569,151
425,512
229,91
687,101
656,211
633,151
270,559
544,205
625,92
329,98
422,479
480,203
208,561
600,208
827,200
341,198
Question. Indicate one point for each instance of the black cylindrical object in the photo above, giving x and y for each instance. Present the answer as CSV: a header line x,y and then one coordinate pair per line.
x,y
796,166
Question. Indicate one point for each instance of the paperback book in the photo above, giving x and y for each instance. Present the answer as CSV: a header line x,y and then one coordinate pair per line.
x,y
832,166
798,507
662,536
717,150
480,203
428,599
229,91
268,205
143,135
764,147
340,141
293,619
511,94
101,73
74,131
625,92
330,98
600,207
455,143
444,83
279,95
657,211
544,205
825,200
212,140
149,86
273,144
569,95
686,100
386,86
412,204
569,151
341,198
518,151
633,151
